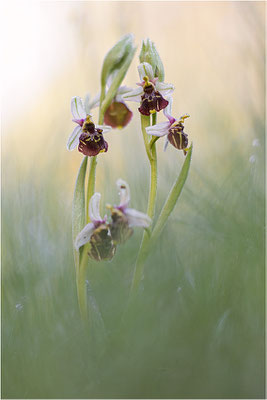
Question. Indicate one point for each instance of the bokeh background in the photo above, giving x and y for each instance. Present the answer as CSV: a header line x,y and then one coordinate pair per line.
x,y
197,328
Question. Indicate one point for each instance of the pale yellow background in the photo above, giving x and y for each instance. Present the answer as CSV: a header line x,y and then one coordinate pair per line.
x,y
213,52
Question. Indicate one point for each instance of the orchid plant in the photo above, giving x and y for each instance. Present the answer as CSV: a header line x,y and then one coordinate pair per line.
x,y
96,238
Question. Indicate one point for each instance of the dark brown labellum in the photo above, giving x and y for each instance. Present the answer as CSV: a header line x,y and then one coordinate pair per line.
x,y
119,228
118,115
91,144
152,101
102,246
177,137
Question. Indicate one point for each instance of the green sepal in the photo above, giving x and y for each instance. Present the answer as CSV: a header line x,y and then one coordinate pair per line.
x,y
150,55
78,207
173,196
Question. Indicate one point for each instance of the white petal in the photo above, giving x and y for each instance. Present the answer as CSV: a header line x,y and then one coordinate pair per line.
x,y
124,89
134,95
165,144
119,98
137,218
145,69
160,129
95,102
94,205
74,138
105,128
168,110
124,192
87,106
84,236
164,88
77,108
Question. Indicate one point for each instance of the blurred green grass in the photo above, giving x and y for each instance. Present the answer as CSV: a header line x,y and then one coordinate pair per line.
x,y
197,328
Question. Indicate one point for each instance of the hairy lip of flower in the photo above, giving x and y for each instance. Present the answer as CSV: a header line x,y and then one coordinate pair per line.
x,y
102,246
178,138
118,115
119,228
91,144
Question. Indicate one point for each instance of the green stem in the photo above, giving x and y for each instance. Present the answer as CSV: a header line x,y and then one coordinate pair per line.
x,y
145,122
153,141
152,156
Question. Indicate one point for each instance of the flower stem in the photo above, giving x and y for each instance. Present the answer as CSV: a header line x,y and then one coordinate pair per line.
x,y
145,122
152,156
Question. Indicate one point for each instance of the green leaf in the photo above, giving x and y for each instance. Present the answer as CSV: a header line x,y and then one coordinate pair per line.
x,y
78,206
173,196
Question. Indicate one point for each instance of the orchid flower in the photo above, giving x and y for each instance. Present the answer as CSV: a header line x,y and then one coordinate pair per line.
x,y
97,233
87,136
173,129
123,217
151,91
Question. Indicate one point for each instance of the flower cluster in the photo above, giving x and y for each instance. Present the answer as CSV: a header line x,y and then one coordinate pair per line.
x,y
103,236
153,97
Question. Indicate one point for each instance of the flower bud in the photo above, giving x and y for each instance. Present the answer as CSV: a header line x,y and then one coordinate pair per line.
x,y
114,69
116,57
150,55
